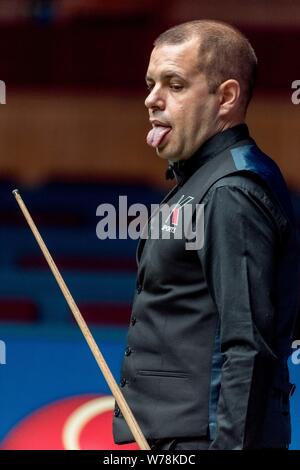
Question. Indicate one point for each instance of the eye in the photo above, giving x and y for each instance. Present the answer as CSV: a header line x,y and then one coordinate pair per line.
x,y
150,86
176,86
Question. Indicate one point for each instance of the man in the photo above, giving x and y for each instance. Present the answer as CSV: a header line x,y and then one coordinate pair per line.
x,y
206,362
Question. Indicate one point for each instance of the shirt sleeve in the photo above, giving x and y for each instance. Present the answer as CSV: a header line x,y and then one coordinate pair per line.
x,y
242,230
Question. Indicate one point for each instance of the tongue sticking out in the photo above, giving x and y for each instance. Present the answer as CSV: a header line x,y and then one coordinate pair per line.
x,y
156,135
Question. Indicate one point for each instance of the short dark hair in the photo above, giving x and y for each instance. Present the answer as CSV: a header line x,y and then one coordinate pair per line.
x,y
224,53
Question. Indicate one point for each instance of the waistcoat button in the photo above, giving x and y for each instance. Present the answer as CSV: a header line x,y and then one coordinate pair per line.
x,y
123,382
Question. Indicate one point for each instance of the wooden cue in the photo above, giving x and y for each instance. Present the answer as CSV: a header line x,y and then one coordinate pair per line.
x,y
126,411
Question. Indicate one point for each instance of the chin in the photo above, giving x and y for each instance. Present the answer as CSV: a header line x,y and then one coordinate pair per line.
x,y
162,154
166,154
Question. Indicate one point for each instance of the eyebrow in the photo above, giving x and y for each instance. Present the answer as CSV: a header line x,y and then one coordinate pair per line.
x,y
166,75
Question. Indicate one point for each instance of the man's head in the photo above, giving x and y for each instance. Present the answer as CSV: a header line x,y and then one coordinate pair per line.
x,y
200,77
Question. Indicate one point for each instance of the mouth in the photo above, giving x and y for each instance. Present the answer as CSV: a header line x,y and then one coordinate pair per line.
x,y
156,136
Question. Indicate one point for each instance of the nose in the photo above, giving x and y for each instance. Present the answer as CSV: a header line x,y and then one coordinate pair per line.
x,y
155,99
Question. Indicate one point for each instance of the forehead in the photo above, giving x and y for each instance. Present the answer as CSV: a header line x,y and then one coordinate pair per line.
x,y
180,58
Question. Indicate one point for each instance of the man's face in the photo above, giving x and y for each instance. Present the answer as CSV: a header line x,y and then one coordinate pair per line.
x,y
182,112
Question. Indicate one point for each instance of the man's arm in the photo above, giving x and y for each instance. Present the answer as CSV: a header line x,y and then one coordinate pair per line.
x,y
242,233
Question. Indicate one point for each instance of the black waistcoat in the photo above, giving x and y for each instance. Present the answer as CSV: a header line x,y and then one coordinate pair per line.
x,y
166,373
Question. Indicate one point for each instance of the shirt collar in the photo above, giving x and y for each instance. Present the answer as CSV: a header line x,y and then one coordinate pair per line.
x,y
182,169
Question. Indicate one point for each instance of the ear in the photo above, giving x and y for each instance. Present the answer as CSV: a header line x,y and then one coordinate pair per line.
x,y
229,94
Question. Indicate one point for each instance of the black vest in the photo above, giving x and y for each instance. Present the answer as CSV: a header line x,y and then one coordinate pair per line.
x,y
167,369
